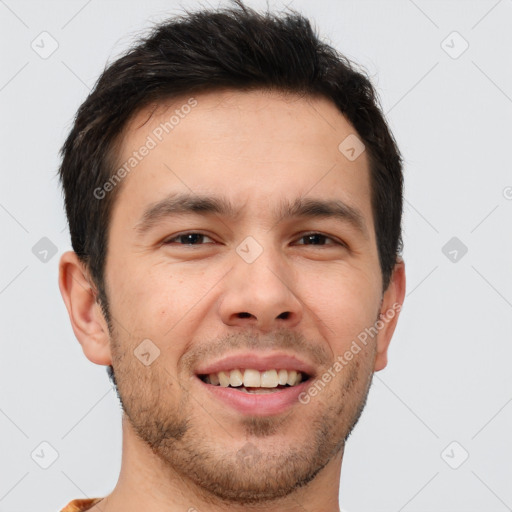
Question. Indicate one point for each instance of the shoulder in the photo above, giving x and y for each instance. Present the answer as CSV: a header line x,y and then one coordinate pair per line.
x,y
81,505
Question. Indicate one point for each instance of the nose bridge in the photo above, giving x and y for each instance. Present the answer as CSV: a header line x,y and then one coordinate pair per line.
x,y
261,261
259,290
261,266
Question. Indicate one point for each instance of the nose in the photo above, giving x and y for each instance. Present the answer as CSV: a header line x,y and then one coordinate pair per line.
x,y
260,294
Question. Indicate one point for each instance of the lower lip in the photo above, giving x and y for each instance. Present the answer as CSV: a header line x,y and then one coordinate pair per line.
x,y
263,404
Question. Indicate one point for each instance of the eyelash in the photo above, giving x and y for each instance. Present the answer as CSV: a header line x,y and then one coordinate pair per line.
x,y
335,241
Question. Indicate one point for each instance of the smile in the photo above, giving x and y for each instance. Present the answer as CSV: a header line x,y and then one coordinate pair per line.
x,y
254,381
275,392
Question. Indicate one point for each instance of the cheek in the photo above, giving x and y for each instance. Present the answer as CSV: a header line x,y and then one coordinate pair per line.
x,y
167,304
344,302
150,303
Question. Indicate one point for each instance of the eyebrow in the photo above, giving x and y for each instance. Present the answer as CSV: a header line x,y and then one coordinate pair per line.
x,y
189,203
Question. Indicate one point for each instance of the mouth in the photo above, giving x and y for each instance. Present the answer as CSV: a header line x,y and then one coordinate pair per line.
x,y
258,383
253,381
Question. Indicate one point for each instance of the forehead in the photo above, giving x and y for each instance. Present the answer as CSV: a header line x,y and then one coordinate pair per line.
x,y
256,147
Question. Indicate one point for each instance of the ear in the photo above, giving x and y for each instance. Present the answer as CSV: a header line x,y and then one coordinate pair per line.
x,y
87,320
391,306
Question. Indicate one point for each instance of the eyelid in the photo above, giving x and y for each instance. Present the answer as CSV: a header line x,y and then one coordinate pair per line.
x,y
336,241
168,239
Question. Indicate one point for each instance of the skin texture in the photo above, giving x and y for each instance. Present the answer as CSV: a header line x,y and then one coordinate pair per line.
x,y
199,302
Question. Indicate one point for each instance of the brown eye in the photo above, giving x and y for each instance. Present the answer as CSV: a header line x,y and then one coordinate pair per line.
x,y
318,239
190,238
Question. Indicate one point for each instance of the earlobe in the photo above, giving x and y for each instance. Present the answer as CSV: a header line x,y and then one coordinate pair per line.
x,y
85,313
390,310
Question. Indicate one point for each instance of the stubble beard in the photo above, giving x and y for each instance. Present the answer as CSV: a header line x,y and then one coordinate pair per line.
x,y
217,474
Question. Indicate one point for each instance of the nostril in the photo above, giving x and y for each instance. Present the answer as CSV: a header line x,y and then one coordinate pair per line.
x,y
244,315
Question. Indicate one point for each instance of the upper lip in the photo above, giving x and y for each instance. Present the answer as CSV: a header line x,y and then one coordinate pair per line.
x,y
257,361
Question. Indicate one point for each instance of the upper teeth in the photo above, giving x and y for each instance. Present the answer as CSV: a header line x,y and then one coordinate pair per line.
x,y
254,378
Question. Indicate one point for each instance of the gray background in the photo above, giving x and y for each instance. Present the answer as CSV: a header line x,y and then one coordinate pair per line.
x,y
448,378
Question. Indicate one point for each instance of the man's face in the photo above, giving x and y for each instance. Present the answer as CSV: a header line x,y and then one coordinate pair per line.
x,y
205,285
